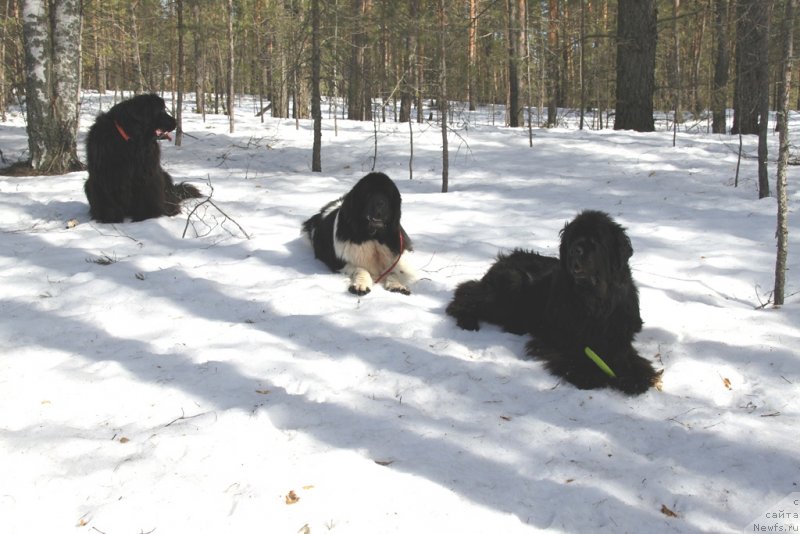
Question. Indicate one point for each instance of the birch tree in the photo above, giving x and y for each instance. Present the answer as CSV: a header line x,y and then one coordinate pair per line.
x,y
52,39
782,231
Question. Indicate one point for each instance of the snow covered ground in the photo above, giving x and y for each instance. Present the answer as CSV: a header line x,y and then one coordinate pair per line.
x,y
151,382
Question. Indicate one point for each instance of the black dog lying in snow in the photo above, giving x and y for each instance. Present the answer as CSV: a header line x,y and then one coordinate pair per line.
x,y
579,305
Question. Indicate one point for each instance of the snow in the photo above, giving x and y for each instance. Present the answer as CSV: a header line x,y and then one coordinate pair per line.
x,y
151,382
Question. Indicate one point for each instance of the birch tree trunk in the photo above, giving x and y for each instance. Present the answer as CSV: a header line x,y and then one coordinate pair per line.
x,y
782,230
52,36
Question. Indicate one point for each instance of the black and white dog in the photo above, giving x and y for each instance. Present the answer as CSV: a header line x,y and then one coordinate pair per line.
x,y
360,235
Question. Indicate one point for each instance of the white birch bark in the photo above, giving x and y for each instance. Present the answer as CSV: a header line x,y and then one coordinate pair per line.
x,y
52,68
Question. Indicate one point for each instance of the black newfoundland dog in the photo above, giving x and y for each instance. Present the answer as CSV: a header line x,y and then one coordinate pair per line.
x,y
582,308
360,235
124,163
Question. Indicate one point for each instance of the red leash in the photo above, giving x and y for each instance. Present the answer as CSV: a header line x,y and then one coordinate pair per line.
x,y
122,133
393,265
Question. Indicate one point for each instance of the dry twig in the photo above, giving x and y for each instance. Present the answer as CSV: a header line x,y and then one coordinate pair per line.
x,y
210,202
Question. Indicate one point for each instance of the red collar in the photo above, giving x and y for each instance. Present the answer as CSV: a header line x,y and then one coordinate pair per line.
x,y
122,132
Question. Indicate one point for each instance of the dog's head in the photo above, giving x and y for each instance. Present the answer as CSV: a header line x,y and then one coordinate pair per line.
x,y
594,251
375,202
143,117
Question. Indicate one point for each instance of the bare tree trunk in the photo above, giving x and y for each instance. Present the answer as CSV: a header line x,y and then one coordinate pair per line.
x,y
199,61
695,102
443,93
179,107
409,86
636,64
513,61
582,60
552,64
99,56
783,153
137,56
763,104
355,93
335,95
229,88
52,35
676,73
752,70
528,80
719,97
3,64
420,77
472,61
316,111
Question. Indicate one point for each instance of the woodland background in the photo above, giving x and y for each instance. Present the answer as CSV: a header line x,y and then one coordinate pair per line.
x,y
409,60
552,54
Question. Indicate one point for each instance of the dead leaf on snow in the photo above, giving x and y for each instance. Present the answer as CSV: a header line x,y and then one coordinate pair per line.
x,y
727,383
667,512
291,498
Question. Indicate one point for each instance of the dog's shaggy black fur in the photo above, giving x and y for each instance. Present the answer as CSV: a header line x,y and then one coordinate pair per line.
x,y
585,298
360,235
124,162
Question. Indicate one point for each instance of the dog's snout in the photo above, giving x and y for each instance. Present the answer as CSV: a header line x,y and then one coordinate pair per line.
x,y
378,209
577,257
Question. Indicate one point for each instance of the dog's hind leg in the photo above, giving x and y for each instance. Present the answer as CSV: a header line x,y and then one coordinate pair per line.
x,y
184,190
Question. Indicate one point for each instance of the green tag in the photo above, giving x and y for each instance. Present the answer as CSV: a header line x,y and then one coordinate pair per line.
x,y
599,362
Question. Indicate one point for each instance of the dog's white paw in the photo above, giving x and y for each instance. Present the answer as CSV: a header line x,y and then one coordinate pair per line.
x,y
360,283
395,286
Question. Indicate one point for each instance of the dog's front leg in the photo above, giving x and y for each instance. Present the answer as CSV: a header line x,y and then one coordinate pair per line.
x,y
360,281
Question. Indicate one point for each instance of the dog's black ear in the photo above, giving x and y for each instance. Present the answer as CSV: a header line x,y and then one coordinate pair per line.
x,y
565,234
620,249
624,246
128,117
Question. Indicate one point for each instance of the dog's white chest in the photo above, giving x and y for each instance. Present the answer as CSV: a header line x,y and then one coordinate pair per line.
x,y
369,255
